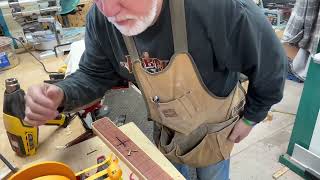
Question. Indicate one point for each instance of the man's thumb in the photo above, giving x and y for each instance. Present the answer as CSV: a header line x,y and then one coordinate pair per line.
x,y
233,136
55,94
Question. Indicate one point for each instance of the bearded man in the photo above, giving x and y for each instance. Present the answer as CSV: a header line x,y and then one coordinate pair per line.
x,y
190,86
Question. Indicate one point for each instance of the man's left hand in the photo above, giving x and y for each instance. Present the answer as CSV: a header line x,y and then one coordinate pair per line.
x,y
240,131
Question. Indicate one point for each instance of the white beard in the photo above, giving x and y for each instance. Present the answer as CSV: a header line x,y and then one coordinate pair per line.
x,y
141,23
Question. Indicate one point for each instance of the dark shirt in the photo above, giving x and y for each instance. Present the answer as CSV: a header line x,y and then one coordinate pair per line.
x,y
225,38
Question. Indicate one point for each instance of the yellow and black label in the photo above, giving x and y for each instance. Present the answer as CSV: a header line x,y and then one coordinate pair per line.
x,y
23,138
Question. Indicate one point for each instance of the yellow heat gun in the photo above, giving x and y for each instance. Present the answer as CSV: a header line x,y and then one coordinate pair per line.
x,y
23,138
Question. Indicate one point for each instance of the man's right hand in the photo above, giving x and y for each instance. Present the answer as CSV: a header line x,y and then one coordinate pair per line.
x,y
42,102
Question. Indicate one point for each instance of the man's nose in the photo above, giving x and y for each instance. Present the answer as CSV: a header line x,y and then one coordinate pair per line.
x,y
111,7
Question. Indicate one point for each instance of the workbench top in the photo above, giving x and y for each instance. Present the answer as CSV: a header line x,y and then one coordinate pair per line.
x,y
51,139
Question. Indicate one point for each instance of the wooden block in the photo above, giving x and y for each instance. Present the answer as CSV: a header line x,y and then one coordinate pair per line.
x,y
269,117
139,162
280,172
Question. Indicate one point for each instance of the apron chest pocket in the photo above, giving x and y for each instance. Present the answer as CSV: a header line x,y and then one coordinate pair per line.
x,y
180,114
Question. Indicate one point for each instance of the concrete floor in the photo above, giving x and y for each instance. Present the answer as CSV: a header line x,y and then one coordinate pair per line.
x,y
256,157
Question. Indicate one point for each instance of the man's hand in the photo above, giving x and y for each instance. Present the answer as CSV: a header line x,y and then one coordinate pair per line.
x,y
42,102
240,131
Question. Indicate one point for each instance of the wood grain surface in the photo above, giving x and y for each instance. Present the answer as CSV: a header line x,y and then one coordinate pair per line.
x,y
140,163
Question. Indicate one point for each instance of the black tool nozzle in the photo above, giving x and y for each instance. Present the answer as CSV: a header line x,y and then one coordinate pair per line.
x,y
12,85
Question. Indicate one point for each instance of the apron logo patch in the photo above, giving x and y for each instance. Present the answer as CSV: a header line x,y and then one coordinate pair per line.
x,y
152,65
169,113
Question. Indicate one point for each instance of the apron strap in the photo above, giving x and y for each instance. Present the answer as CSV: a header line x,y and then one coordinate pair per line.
x,y
131,47
178,24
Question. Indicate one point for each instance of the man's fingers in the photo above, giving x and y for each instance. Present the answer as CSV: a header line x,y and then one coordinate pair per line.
x,y
233,136
33,122
38,109
243,136
42,102
33,118
238,139
53,93
239,132
40,98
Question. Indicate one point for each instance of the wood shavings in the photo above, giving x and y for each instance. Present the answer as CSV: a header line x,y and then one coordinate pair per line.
x,y
269,116
60,147
68,130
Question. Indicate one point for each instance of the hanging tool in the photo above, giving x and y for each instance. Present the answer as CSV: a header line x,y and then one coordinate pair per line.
x,y
93,113
87,117
23,138
55,77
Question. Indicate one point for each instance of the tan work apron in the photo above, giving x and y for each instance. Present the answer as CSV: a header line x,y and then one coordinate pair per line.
x,y
194,123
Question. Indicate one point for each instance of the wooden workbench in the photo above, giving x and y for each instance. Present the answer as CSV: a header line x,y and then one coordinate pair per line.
x,y
30,72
